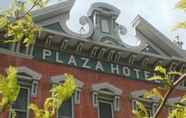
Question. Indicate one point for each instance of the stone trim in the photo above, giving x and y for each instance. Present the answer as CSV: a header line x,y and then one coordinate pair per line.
x,y
172,101
77,95
105,85
138,93
60,78
34,74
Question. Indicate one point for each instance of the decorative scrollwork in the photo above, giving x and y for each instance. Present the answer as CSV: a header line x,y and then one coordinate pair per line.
x,y
84,20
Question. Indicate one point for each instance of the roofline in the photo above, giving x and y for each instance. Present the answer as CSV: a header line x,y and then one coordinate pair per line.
x,y
52,10
139,21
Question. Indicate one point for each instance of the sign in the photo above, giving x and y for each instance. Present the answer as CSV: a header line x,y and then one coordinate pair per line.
x,y
89,63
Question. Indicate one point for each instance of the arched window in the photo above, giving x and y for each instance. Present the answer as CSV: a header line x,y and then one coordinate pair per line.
x,y
28,79
106,99
67,109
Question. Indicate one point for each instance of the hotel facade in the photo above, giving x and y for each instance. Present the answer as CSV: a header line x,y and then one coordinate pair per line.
x,y
110,75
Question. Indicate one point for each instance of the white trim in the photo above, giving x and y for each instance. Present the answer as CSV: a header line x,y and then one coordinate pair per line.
x,y
112,108
152,110
95,99
105,85
34,88
116,103
53,10
138,93
60,78
98,5
173,100
13,53
28,102
35,75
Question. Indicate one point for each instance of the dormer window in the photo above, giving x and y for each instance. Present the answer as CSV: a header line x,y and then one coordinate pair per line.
x,y
105,28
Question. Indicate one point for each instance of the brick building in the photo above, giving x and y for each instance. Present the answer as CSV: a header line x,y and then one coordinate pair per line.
x,y
110,74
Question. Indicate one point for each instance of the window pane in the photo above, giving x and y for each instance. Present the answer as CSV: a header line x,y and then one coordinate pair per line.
x,y
65,110
105,110
21,102
22,48
105,26
20,114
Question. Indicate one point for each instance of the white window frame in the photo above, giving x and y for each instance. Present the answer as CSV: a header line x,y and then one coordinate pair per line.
x,y
107,102
73,109
153,110
181,85
28,102
136,96
76,98
28,53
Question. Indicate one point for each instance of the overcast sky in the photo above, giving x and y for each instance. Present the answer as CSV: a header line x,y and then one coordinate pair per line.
x,y
160,13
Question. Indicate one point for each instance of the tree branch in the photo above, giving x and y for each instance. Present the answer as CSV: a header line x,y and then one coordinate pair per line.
x,y
160,107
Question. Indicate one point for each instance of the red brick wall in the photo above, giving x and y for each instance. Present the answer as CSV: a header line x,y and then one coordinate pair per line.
x,y
89,77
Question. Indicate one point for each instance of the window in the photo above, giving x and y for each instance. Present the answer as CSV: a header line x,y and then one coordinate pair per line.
x,y
105,26
150,103
105,98
150,107
182,85
28,80
105,109
22,49
21,104
66,110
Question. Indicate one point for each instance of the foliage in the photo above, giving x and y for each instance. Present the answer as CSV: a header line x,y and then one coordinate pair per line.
x,y
9,88
59,94
178,110
16,23
141,111
181,5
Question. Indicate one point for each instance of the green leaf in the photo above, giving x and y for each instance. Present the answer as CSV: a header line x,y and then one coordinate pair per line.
x,y
181,4
160,69
3,22
153,93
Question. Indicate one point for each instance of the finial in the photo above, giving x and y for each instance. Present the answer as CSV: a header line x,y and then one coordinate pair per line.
x,y
178,42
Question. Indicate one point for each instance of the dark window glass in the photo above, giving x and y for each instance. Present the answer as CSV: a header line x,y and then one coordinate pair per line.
x,y
65,111
105,110
20,105
22,48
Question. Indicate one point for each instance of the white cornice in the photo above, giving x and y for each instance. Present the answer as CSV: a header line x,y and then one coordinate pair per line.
x,y
35,75
60,78
98,5
156,37
53,10
105,85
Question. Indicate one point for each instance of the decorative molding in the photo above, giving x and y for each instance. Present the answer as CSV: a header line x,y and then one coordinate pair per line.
x,y
99,5
105,85
172,101
132,58
84,20
60,78
35,77
23,69
139,93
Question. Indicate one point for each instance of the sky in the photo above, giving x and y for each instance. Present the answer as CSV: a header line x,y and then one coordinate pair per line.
x,y
162,14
